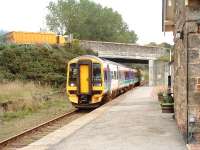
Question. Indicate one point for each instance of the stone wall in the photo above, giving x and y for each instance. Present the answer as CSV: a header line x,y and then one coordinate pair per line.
x,y
180,86
193,77
187,69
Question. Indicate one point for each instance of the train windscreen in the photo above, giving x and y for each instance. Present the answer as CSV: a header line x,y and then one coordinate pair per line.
x,y
73,71
97,79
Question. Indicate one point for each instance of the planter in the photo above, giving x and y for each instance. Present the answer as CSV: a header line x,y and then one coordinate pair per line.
x,y
167,107
160,97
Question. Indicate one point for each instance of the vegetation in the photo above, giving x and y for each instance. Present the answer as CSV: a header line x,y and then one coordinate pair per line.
x,y
168,47
28,105
164,44
167,105
168,99
42,64
165,58
19,99
2,36
32,78
88,21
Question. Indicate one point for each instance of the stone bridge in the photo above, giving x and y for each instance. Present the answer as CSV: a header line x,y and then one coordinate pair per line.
x,y
129,53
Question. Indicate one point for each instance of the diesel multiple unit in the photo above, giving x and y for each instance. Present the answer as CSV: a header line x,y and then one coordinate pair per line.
x,y
92,80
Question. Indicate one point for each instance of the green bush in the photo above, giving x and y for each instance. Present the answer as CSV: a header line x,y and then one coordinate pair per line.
x,y
168,99
40,63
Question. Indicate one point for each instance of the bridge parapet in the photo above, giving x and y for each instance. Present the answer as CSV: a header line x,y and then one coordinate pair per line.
x,y
123,50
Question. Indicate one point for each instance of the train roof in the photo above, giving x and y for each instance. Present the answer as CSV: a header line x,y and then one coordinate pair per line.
x,y
101,60
89,56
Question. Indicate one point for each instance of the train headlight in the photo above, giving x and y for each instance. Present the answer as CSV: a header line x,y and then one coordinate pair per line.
x,y
72,84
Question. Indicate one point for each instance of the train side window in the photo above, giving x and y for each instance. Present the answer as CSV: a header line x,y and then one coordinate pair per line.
x,y
116,75
97,74
105,75
113,75
122,75
73,71
126,75
119,75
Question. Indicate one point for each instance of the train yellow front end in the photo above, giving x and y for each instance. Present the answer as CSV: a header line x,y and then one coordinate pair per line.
x,y
85,81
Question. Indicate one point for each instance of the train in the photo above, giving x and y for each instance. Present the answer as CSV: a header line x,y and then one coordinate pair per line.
x,y
36,38
92,81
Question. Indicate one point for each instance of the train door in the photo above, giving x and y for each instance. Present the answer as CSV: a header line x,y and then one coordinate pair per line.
x,y
109,78
118,77
58,39
84,79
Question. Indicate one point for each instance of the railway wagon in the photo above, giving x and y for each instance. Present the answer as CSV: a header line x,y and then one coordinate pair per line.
x,y
91,80
34,38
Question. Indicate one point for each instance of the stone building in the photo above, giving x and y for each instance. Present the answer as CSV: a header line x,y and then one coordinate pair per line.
x,y
182,17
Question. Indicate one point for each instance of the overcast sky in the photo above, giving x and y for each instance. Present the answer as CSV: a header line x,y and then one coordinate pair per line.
x,y
142,16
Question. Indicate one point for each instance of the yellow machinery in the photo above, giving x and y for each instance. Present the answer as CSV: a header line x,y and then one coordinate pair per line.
x,y
34,38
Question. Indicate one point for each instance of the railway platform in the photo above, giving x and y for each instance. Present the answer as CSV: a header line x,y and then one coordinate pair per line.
x,y
133,121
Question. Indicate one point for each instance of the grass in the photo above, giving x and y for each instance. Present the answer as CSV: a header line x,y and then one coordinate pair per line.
x,y
15,123
61,104
23,99
7,116
13,91
29,106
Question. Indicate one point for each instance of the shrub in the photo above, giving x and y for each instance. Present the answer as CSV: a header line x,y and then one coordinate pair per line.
x,y
39,63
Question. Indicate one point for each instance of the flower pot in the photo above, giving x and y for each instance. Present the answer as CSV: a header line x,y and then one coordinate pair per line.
x,y
167,107
160,98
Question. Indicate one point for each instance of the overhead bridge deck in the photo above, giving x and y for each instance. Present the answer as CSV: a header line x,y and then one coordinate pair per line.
x,y
133,121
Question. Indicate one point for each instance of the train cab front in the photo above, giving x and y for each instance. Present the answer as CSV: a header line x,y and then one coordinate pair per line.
x,y
85,83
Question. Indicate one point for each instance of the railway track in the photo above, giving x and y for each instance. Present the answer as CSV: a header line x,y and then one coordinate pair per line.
x,y
36,133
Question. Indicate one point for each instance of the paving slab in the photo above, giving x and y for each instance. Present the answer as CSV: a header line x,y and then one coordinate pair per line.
x,y
132,121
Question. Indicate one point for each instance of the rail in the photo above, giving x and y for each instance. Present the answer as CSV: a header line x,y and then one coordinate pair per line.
x,y
10,140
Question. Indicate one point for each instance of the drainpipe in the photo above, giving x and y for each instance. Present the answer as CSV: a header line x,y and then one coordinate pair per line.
x,y
187,86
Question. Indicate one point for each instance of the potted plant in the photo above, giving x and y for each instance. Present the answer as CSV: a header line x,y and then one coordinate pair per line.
x,y
168,104
160,96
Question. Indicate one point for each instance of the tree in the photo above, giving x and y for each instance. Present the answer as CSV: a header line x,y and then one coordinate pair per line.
x,y
89,21
2,33
164,44
152,44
